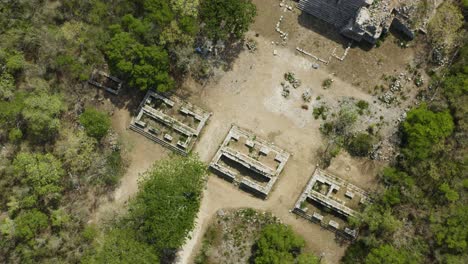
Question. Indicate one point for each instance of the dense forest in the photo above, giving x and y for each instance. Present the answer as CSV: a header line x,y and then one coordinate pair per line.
x,y
420,213
58,151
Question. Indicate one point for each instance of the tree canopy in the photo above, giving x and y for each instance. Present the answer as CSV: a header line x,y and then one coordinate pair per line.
x,y
423,128
387,254
41,113
42,173
96,123
144,67
165,208
227,18
278,244
120,246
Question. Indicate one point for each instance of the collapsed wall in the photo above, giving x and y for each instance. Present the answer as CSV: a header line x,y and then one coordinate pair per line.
x,y
359,20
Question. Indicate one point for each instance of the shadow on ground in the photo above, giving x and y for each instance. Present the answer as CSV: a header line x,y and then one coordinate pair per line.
x,y
329,31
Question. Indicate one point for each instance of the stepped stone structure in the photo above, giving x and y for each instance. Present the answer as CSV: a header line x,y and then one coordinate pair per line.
x,y
359,20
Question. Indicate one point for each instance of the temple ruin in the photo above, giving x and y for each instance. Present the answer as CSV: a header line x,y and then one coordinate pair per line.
x,y
329,201
249,162
359,20
171,122
104,81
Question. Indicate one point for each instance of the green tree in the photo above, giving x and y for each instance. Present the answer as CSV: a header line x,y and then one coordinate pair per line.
x,y
387,254
96,123
450,229
380,220
450,194
120,246
444,25
7,85
77,151
42,173
10,110
143,66
29,223
360,145
424,128
41,112
224,19
164,210
277,245
15,135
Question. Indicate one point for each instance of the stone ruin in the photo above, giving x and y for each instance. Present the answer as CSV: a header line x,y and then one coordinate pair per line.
x,y
329,201
359,20
171,122
249,162
104,81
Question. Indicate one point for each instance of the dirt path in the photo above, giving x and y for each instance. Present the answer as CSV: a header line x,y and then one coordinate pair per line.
x,y
141,154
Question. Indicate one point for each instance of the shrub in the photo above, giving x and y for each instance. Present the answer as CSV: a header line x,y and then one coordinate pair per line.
x,y
279,244
360,145
96,123
15,135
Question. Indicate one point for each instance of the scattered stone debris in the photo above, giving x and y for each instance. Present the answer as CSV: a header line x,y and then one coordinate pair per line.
x,y
387,98
343,57
396,85
286,6
419,81
286,91
251,45
307,96
283,35
313,56
291,78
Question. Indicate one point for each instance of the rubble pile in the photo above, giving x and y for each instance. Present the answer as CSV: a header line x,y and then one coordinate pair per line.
x,y
359,20
283,35
291,78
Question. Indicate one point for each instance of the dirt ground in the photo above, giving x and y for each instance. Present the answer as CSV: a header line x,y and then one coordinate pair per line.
x,y
250,96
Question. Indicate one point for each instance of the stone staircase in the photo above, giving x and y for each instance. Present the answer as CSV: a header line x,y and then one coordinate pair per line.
x,y
334,12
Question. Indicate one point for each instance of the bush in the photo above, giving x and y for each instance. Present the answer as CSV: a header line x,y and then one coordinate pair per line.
x,y
279,244
15,135
327,83
360,145
121,246
96,123
362,105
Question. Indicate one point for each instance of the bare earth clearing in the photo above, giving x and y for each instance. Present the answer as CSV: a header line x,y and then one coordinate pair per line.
x,y
250,96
